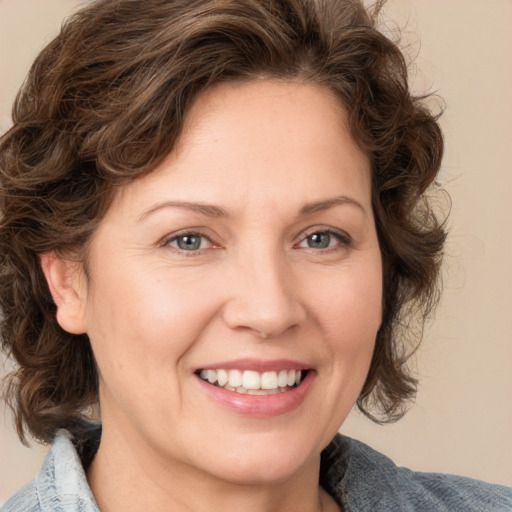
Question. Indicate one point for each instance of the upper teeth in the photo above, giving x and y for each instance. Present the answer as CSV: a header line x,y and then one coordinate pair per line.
x,y
249,379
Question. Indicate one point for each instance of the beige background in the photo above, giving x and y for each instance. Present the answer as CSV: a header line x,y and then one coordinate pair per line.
x,y
462,421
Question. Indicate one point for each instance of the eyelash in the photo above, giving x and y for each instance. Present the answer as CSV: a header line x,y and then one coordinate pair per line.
x,y
343,239
184,234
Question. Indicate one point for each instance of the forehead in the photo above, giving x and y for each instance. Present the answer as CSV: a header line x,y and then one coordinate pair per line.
x,y
260,139
260,114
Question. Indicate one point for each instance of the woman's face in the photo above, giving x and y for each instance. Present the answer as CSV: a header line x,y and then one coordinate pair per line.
x,y
248,256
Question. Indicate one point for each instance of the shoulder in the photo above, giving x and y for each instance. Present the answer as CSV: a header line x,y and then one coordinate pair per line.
x,y
25,500
365,480
60,484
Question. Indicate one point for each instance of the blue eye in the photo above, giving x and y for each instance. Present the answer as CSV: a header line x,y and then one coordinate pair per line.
x,y
323,240
189,242
319,240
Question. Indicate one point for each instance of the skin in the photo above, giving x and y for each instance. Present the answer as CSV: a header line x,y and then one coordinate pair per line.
x,y
260,153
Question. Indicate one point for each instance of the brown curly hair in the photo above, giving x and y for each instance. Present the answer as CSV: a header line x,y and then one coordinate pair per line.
x,y
104,103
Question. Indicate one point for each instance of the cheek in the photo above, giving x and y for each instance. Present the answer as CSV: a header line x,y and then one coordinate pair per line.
x,y
351,302
144,319
350,315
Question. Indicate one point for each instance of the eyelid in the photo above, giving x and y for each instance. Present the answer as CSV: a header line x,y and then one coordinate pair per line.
x,y
166,240
343,236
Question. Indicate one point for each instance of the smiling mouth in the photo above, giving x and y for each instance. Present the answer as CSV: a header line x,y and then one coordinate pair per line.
x,y
251,382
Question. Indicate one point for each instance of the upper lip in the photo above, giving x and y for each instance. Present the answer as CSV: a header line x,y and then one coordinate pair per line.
x,y
257,365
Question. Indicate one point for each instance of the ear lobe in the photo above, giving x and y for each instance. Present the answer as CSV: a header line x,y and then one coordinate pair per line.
x,y
65,282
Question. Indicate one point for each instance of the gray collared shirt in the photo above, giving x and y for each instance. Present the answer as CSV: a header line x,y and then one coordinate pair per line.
x,y
359,479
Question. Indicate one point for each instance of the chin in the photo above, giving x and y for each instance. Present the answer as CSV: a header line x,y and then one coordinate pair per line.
x,y
263,471
259,461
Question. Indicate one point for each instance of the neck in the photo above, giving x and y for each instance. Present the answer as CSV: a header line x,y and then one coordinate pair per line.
x,y
129,477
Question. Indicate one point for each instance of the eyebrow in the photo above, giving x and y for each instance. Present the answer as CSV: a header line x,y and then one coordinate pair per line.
x,y
208,210
213,211
317,206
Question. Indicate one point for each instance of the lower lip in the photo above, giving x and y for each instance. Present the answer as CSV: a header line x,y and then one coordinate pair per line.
x,y
259,406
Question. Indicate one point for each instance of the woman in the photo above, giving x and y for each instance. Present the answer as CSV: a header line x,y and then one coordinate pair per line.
x,y
213,226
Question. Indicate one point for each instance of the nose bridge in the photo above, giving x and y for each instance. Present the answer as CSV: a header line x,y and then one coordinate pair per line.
x,y
264,296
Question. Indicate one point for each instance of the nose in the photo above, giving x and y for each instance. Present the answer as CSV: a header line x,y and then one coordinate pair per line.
x,y
264,297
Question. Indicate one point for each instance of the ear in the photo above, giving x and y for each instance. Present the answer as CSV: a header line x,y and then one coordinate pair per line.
x,y
67,286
